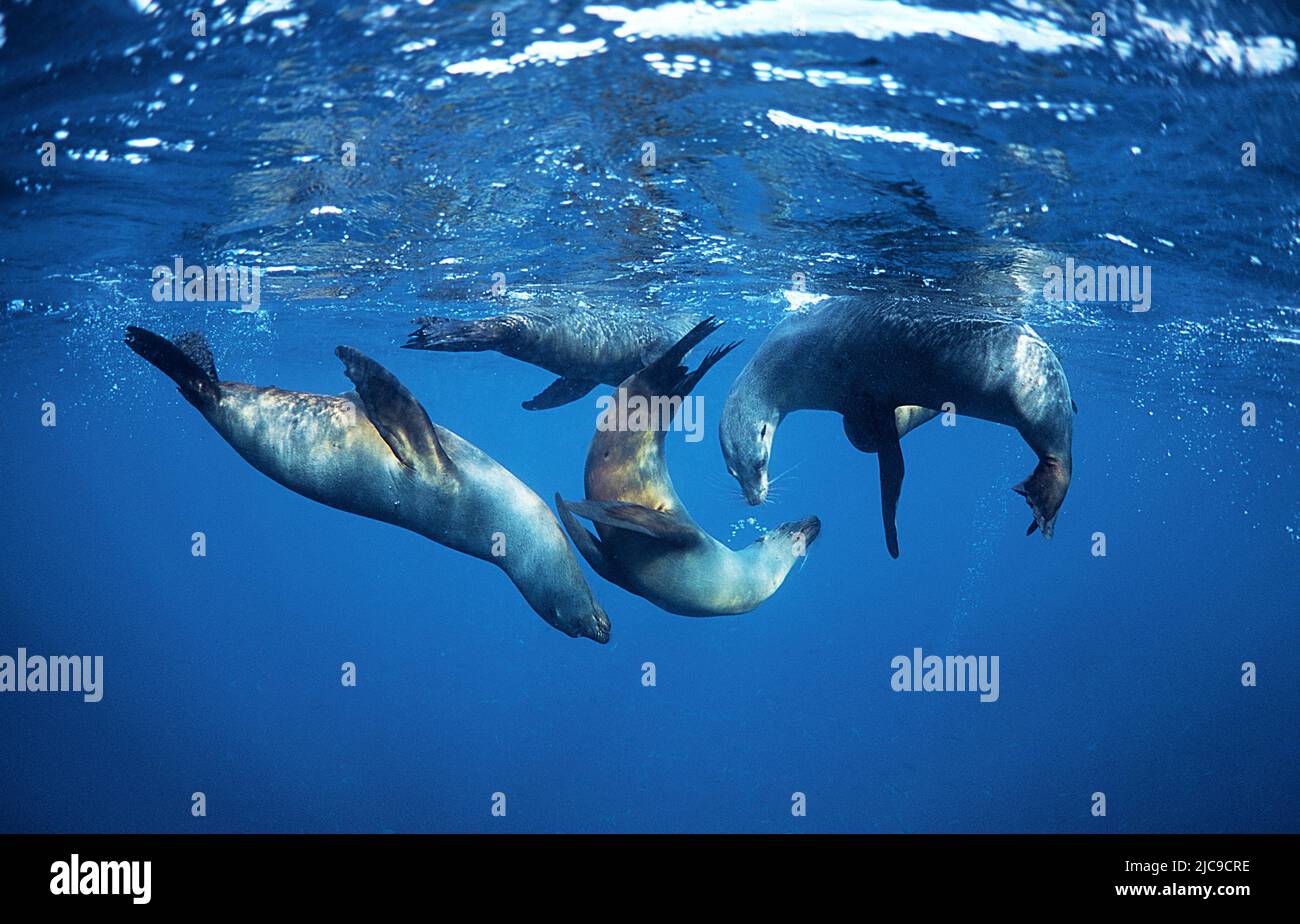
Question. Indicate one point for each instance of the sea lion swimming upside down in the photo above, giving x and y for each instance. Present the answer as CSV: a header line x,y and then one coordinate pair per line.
x,y
646,541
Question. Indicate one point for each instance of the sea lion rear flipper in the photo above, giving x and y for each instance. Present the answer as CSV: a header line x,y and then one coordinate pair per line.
x,y
187,361
668,376
638,519
399,418
194,345
559,392
1044,490
590,546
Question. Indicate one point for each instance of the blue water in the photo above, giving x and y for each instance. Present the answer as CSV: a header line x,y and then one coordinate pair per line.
x,y
818,154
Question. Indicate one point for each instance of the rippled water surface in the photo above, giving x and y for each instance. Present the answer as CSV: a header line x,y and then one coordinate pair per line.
x,y
740,159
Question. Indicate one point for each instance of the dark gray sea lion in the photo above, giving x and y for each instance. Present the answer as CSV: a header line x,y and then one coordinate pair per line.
x,y
646,542
374,452
888,366
583,346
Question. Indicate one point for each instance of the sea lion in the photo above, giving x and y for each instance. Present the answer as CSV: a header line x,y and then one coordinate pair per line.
x,y
584,346
647,543
888,368
374,452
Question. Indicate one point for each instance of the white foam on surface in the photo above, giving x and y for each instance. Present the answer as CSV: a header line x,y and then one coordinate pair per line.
x,y
796,300
839,130
259,8
874,20
536,53
1266,54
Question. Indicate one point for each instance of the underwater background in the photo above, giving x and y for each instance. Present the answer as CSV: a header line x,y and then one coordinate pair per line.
x,y
789,138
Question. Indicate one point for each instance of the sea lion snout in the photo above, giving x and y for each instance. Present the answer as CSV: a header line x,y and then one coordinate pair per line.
x,y
751,475
754,486
809,528
746,434
579,616
598,631
799,533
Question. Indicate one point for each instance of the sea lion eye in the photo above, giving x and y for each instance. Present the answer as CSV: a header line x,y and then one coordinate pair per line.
x,y
762,434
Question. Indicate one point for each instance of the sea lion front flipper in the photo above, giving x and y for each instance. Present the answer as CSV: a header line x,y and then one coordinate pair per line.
x,y
559,392
622,515
399,418
590,546
861,432
890,456
875,429
908,417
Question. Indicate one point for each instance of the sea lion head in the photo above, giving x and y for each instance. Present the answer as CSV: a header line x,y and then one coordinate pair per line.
x,y
746,431
590,622
560,595
796,534
781,548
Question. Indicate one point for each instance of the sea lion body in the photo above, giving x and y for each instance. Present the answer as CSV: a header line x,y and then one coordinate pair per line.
x,y
584,346
375,453
887,368
646,541
326,449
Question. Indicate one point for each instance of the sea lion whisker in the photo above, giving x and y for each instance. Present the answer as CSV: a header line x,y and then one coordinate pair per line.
x,y
772,481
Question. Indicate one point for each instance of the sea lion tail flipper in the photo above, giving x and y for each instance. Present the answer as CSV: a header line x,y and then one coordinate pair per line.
x,y
589,545
559,392
399,418
1044,490
450,335
688,382
674,355
187,361
638,519
890,456
669,376
660,376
